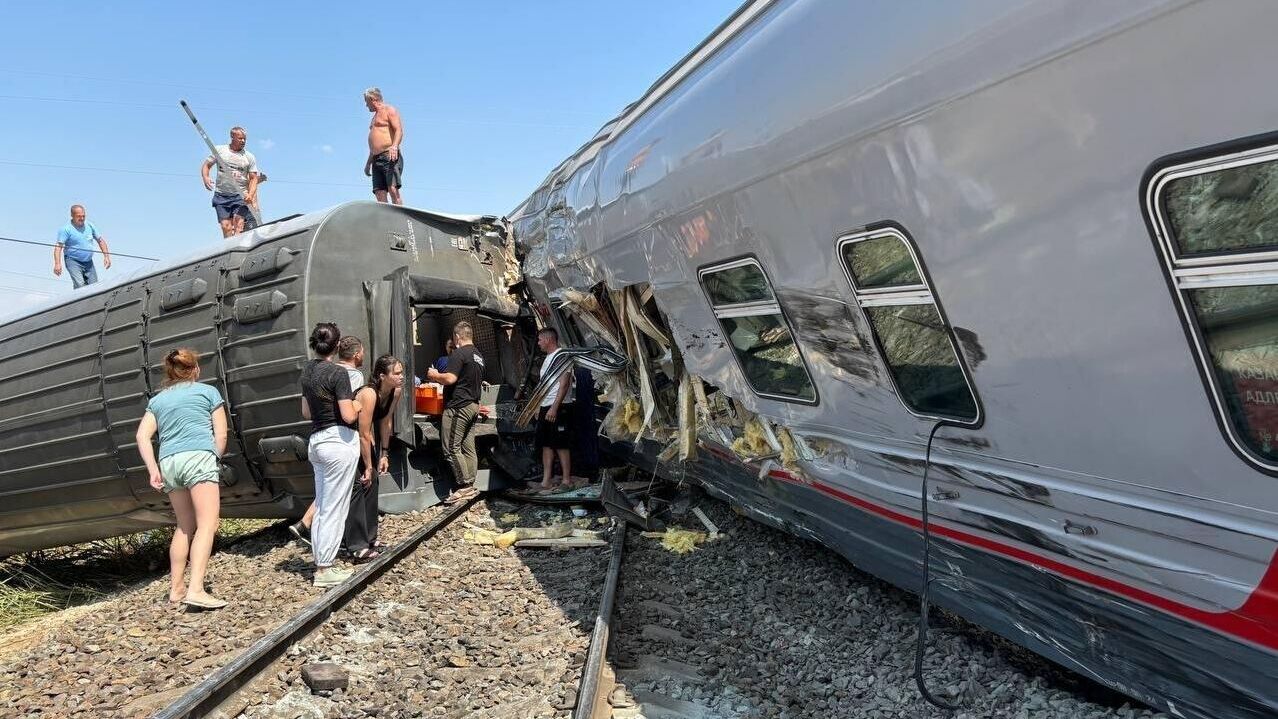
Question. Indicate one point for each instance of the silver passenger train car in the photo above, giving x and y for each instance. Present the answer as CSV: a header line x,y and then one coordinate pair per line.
x,y
75,375
1030,249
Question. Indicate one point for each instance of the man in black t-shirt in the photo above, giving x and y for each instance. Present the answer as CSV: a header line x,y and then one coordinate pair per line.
x,y
462,382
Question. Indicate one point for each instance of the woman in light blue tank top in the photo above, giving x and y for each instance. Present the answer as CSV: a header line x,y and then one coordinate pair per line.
x,y
191,420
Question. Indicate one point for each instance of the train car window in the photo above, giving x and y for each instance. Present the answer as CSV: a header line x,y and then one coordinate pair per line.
x,y
1216,226
756,327
881,262
734,285
916,343
1240,328
1226,210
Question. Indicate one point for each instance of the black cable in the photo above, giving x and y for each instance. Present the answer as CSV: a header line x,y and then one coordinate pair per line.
x,y
96,252
924,594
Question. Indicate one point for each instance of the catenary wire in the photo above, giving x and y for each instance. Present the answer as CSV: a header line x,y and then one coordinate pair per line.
x,y
96,252
32,276
290,112
161,173
237,91
28,291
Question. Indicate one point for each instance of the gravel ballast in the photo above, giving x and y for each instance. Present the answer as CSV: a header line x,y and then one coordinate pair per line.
x,y
762,624
754,624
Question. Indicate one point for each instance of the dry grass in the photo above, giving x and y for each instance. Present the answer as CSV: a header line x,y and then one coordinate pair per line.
x,y
38,583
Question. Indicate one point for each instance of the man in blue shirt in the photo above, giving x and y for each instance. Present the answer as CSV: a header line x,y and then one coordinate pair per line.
x,y
75,243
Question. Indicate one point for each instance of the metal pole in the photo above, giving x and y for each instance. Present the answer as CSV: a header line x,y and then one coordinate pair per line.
x,y
257,218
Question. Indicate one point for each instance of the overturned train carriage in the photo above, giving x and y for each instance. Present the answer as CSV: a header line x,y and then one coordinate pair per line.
x,y
1030,221
75,376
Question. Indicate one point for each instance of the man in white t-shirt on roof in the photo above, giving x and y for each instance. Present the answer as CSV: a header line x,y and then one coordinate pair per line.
x,y
236,188
554,434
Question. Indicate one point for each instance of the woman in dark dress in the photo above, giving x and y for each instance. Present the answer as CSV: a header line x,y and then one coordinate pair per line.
x,y
377,401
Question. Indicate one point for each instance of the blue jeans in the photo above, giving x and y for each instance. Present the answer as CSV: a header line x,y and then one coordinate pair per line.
x,y
82,273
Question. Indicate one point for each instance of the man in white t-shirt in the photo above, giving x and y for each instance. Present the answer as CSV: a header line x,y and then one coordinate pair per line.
x,y
554,435
236,189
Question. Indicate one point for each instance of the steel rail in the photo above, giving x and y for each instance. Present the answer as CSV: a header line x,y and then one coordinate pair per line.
x,y
590,673
219,686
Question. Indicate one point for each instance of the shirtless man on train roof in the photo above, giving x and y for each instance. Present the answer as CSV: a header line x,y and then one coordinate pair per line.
x,y
385,134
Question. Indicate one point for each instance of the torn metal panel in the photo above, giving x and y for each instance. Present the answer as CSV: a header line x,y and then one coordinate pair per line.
x,y
598,359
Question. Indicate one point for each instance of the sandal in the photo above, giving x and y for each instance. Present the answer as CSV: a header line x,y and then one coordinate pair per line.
x,y
365,556
460,495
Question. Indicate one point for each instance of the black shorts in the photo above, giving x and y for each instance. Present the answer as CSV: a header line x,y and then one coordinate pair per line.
x,y
387,174
227,206
557,434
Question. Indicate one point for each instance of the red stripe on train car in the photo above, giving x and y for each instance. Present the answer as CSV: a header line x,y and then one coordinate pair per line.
x,y
1256,621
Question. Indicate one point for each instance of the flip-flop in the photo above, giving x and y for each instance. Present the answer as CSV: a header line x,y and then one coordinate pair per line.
x,y
204,603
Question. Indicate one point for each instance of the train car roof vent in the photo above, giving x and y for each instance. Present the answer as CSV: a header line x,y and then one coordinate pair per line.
x,y
181,294
266,262
260,306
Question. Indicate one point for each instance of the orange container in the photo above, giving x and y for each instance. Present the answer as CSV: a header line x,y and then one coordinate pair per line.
x,y
428,399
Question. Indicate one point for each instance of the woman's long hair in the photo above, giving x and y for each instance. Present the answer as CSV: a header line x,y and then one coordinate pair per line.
x,y
181,364
381,368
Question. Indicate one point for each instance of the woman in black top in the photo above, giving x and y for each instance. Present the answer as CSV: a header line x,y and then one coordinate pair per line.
x,y
377,401
328,401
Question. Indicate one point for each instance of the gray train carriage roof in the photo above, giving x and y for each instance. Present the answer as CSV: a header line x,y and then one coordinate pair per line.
x,y
243,241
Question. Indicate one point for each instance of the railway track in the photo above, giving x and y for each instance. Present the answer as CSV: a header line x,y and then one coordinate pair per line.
x,y
251,683
756,624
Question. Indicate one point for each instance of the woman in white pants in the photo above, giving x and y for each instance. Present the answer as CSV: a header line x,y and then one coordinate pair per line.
x,y
329,403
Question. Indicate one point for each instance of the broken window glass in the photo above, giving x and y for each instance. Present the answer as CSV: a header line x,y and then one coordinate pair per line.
x,y
1226,210
915,342
1214,216
881,262
768,355
1240,327
917,348
735,285
756,328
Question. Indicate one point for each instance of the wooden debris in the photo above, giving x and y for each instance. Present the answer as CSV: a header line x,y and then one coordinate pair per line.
x,y
561,543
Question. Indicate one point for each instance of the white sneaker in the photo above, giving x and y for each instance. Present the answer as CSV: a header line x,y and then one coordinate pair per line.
x,y
331,576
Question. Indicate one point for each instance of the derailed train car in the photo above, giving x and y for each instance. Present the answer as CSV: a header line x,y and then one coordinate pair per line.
x,y
75,376
1009,264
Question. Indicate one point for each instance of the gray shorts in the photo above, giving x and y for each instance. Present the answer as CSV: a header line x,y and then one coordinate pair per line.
x,y
184,470
387,174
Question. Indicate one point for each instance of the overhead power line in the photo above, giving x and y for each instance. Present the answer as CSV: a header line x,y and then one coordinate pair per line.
x,y
32,275
28,291
96,252
160,173
428,120
352,98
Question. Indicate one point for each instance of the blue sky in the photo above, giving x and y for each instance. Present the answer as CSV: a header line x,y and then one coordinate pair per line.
x,y
493,95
